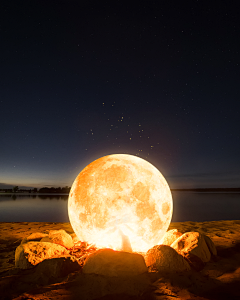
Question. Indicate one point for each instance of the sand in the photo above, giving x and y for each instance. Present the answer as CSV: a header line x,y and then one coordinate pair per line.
x,y
220,278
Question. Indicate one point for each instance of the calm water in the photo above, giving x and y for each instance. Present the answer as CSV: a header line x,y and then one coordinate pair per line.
x,y
187,206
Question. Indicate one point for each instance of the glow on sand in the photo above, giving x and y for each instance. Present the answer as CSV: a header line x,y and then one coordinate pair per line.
x,y
121,202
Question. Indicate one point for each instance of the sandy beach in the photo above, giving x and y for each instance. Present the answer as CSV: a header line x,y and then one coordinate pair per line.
x,y
219,279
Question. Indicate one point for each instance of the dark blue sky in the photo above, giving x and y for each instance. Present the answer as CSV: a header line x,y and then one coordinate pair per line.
x,y
84,79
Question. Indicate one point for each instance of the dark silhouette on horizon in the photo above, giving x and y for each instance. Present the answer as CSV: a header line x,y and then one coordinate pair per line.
x,y
66,190
46,190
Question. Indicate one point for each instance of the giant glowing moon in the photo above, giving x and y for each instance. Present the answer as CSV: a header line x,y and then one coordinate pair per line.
x,y
119,199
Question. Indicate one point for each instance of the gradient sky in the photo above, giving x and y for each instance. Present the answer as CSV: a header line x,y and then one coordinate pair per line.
x,y
84,79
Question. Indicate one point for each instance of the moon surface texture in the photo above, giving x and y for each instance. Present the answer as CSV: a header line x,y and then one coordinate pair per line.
x,y
121,202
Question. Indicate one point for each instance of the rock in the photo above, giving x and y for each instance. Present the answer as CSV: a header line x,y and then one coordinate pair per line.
x,y
194,243
194,261
60,237
164,258
32,253
36,236
170,236
108,262
50,269
210,245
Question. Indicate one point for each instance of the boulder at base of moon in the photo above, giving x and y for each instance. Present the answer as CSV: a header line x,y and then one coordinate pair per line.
x,y
49,269
30,254
166,259
170,236
112,263
194,243
60,237
36,236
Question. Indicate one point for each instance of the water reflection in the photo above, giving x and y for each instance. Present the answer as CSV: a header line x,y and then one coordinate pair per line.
x,y
33,208
54,197
200,207
187,206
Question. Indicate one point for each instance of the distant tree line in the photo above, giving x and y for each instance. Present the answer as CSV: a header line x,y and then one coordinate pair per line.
x,y
46,190
64,190
6,190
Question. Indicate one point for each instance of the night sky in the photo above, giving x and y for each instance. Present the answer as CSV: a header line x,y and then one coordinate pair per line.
x,y
84,79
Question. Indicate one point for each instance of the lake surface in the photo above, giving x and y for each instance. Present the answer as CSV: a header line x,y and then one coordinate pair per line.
x,y
187,206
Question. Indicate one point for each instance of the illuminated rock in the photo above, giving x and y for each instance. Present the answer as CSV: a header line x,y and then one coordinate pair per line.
x,y
192,242
166,259
30,254
112,263
121,202
170,236
36,236
60,237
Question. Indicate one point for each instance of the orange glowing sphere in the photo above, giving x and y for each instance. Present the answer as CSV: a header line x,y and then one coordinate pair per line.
x,y
121,202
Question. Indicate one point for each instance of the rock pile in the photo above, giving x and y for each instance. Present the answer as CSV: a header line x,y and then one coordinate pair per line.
x,y
38,247
50,258
31,254
179,252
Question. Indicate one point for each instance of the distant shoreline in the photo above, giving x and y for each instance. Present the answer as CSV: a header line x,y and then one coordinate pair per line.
x,y
205,190
198,190
33,194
